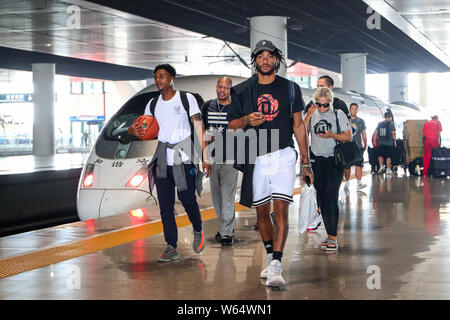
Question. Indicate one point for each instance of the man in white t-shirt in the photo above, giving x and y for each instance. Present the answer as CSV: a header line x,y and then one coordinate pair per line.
x,y
175,129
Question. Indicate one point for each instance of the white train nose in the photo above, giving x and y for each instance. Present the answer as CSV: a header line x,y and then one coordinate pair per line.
x,y
88,203
120,201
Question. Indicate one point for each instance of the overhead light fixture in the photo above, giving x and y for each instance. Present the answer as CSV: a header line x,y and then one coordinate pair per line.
x,y
295,27
432,11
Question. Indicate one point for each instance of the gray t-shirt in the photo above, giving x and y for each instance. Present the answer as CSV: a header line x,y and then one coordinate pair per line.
x,y
324,147
358,126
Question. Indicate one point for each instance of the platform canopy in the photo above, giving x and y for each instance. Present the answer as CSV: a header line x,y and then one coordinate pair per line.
x,y
125,39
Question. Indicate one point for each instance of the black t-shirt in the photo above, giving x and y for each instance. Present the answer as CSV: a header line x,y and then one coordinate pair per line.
x,y
273,102
215,120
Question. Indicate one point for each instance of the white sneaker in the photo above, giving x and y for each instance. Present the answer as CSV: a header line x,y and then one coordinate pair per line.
x,y
264,272
274,277
361,185
347,184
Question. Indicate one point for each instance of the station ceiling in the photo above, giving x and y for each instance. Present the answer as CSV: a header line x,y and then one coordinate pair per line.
x,y
132,36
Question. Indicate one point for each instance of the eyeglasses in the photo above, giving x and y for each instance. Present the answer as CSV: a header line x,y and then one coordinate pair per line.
x,y
325,105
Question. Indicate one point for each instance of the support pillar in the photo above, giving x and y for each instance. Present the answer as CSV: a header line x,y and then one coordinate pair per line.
x,y
353,70
272,28
43,106
423,89
398,86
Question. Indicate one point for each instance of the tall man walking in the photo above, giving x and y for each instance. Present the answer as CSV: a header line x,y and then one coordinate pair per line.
x,y
171,167
387,141
360,137
223,178
271,106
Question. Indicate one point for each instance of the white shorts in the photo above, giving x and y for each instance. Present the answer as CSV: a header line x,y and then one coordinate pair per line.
x,y
274,176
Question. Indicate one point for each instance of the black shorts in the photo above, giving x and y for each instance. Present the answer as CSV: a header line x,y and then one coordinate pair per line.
x,y
386,151
361,163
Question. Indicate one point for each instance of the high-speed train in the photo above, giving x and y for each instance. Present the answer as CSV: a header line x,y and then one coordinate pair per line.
x,y
114,178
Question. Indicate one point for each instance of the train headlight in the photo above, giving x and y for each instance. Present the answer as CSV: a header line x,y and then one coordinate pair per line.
x,y
137,179
88,180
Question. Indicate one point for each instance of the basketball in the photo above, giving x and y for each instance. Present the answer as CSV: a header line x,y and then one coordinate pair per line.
x,y
147,127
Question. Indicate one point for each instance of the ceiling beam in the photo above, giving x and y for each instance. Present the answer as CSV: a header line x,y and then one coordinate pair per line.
x,y
396,18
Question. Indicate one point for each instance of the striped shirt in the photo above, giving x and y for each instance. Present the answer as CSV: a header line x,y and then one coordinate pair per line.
x,y
216,123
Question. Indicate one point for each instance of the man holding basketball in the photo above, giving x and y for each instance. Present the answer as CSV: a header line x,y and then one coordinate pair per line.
x,y
170,166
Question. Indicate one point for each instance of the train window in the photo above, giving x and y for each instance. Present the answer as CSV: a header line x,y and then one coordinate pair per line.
x,y
117,128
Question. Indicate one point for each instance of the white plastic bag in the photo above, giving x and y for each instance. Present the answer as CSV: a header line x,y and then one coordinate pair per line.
x,y
308,208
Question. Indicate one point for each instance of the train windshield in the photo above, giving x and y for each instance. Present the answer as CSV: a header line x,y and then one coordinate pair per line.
x,y
117,128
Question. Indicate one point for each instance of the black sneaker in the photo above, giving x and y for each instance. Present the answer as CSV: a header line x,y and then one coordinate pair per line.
x,y
218,237
227,240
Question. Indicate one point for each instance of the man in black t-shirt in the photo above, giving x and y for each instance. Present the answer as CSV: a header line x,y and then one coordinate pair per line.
x,y
270,106
338,104
223,179
387,142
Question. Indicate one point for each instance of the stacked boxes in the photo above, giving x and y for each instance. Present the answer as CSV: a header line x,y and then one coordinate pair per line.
x,y
413,139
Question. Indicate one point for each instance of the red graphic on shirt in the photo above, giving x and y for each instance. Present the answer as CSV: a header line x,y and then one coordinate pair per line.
x,y
268,106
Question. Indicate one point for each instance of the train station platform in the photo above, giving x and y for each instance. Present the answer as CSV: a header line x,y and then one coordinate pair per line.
x,y
28,185
10,165
394,239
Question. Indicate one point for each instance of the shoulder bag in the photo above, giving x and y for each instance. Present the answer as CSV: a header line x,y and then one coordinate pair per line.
x,y
346,154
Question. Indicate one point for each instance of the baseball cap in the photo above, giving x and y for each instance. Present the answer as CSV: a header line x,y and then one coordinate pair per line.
x,y
263,45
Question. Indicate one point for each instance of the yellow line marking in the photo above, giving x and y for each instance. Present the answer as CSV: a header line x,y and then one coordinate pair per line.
x,y
40,258
37,259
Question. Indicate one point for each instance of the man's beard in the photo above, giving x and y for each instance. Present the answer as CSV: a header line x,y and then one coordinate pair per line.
x,y
265,73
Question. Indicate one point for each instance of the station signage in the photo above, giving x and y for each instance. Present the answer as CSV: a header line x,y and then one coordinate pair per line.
x,y
16,97
87,118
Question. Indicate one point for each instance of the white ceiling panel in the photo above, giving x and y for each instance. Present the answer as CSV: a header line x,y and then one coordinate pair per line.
x,y
106,35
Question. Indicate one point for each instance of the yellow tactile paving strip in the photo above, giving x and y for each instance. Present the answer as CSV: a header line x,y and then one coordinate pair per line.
x,y
44,257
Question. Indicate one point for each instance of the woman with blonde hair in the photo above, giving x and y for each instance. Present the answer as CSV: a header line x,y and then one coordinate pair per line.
x,y
321,120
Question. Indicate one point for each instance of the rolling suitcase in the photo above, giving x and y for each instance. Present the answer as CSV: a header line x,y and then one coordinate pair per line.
x,y
397,157
373,159
440,162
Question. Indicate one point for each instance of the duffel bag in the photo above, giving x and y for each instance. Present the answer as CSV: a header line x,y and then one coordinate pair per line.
x,y
440,162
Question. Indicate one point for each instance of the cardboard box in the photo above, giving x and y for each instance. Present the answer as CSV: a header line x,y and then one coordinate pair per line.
x,y
412,133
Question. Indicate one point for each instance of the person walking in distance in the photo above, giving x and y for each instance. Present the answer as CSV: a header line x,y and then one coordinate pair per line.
x,y
358,127
431,139
223,179
172,168
270,106
385,135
